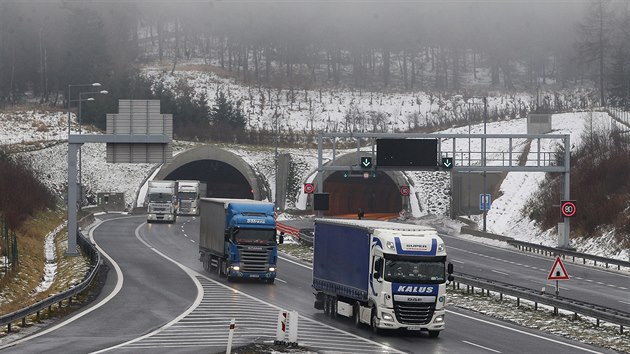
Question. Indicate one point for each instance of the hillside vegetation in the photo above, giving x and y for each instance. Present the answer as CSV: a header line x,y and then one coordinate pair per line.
x,y
600,184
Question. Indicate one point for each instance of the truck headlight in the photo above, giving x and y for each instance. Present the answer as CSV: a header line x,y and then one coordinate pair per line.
x,y
237,268
387,317
272,269
439,319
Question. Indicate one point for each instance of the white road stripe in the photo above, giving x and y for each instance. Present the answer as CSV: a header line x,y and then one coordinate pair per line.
x,y
481,346
496,271
280,280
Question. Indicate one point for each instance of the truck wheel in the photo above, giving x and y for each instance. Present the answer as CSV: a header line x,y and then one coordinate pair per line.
x,y
270,280
434,334
206,266
333,307
356,317
375,329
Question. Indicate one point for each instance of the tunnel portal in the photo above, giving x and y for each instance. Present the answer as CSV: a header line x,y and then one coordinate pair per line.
x,y
222,180
375,195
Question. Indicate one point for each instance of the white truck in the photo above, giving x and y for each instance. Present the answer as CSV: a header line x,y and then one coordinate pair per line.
x,y
162,201
384,274
188,194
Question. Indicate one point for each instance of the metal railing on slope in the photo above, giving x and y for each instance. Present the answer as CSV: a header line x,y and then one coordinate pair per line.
x,y
22,314
564,253
600,313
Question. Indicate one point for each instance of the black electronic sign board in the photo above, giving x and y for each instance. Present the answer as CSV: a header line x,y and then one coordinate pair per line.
x,y
407,153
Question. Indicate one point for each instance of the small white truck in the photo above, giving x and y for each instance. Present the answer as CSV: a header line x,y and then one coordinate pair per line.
x,y
162,201
188,194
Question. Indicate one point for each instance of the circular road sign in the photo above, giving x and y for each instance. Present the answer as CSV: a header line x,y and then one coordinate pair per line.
x,y
568,208
404,190
309,188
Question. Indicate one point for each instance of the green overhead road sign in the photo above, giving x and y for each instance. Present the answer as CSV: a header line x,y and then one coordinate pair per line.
x,y
447,162
366,162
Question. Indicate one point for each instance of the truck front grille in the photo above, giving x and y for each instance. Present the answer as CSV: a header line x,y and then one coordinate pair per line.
x,y
254,258
414,313
185,206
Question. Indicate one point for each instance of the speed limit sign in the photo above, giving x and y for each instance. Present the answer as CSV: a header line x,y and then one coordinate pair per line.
x,y
568,208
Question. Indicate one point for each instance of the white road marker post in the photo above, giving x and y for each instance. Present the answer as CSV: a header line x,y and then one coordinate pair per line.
x,y
229,344
281,328
293,329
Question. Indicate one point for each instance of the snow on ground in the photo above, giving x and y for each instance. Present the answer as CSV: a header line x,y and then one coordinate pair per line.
x,y
41,130
429,190
50,266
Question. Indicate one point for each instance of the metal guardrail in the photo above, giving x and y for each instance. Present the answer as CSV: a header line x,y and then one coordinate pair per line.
x,y
95,261
577,307
568,253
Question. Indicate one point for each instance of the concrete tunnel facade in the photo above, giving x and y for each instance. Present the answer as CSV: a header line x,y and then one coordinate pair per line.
x,y
227,175
380,194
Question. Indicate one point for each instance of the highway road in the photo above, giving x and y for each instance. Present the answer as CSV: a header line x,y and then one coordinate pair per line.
x,y
596,285
158,299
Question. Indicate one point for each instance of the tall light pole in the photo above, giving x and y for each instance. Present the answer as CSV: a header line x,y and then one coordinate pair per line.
x,y
69,98
80,100
483,155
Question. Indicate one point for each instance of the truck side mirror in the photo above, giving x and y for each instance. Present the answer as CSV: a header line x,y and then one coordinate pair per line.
x,y
449,270
377,275
226,235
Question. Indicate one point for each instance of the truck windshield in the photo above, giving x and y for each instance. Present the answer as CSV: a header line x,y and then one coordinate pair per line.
x,y
160,197
187,195
402,271
255,236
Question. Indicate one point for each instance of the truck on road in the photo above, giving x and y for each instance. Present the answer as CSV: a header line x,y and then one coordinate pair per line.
x,y
384,274
162,201
237,238
188,194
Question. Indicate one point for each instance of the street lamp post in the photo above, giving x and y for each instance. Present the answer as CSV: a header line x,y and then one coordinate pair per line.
x,y
69,98
483,155
80,100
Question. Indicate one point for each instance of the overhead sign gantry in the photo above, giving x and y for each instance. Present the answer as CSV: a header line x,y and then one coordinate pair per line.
x,y
453,152
139,133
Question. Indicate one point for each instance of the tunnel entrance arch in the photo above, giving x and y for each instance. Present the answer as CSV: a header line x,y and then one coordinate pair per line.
x,y
348,191
226,174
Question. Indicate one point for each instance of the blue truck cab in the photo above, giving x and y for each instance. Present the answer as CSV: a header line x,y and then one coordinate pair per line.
x,y
238,238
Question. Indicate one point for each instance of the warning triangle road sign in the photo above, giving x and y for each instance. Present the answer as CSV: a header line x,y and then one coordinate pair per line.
x,y
558,272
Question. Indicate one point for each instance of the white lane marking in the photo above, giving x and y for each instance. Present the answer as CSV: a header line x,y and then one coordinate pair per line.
x,y
280,280
523,332
481,346
625,302
480,320
190,309
185,235
496,271
234,290
193,241
623,288
114,292
456,261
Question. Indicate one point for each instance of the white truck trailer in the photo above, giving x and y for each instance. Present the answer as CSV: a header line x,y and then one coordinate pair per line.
x,y
384,274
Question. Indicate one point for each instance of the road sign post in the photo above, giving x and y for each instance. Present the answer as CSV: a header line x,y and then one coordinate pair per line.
x,y
558,272
309,188
404,191
484,201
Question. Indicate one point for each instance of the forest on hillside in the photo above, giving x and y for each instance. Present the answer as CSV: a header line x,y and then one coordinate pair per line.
x,y
467,47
